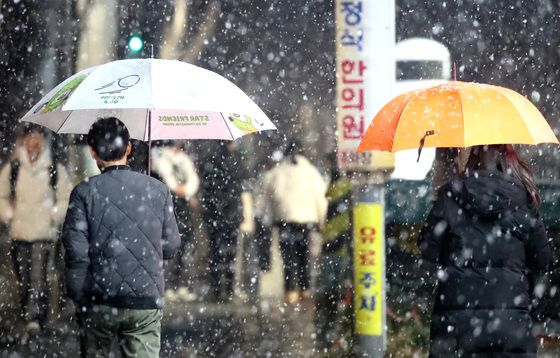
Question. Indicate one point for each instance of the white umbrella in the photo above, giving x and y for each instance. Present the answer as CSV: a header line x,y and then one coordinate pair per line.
x,y
156,99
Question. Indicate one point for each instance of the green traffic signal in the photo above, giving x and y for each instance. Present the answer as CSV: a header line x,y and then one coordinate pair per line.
x,y
135,44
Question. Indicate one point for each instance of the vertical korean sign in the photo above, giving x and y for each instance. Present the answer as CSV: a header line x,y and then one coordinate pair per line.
x,y
369,269
365,41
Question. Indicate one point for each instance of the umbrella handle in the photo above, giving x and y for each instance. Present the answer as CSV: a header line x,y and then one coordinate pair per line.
x,y
422,140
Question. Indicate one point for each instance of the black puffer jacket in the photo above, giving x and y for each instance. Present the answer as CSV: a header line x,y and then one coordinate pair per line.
x,y
489,243
119,228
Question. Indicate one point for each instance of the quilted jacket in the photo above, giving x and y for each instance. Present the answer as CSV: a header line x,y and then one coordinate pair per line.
x,y
119,228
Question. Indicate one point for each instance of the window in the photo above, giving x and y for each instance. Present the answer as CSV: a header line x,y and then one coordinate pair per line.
x,y
419,70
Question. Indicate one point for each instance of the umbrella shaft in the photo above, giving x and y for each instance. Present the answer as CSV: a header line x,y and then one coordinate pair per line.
x,y
149,142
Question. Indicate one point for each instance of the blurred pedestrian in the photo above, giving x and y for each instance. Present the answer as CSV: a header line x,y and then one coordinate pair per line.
x,y
298,206
486,234
223,182
119,228
262,216
335,282
175,168
34,192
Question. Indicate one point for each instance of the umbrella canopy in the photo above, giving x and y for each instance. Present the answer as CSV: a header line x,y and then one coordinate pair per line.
x,y
456,114
156,99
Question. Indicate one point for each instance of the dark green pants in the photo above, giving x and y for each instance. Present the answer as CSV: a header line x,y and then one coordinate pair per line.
x,y
138,331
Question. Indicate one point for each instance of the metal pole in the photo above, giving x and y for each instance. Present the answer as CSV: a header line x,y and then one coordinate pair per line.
x,y
149,141
365,39
369,264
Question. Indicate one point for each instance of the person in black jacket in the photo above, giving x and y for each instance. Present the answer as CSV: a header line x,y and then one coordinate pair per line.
x,y
223,179
119,227
487,236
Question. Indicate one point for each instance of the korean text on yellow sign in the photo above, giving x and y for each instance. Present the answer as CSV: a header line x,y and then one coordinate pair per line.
x,y
368,268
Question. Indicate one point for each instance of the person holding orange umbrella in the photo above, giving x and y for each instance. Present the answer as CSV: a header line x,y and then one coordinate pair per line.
x,y
484,230
485,233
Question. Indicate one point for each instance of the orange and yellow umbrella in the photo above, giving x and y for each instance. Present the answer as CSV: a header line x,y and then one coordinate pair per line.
x,y
456,114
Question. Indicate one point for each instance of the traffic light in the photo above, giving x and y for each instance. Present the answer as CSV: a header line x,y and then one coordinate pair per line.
x,y
135,46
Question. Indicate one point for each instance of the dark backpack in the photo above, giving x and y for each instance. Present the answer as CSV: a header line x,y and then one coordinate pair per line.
x,y
14,172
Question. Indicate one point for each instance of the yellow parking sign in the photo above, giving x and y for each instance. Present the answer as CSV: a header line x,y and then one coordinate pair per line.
x,y
369,269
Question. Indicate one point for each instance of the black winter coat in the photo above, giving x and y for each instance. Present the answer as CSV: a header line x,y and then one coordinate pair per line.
x,y
489,243
222,181
119,228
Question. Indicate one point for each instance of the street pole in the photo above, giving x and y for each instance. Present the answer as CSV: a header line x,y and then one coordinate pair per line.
x,y
365,59
368,226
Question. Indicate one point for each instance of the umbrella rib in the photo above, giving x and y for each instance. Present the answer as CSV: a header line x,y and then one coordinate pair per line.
x,y
146,129
225,122
64,121
399,122
462,114
522,121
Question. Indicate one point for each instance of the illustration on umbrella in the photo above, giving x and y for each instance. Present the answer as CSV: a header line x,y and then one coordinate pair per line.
x,y
61,95
119,85
242,122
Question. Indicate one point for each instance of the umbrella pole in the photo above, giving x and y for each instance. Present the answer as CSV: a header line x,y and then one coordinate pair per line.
x,y
149,141
454,71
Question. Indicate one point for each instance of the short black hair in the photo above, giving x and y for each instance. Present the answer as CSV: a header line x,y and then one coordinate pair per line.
x,y
108,137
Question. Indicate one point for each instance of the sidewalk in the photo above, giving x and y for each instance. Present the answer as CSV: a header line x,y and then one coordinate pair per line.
x,y
265,328
197,329
238,330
